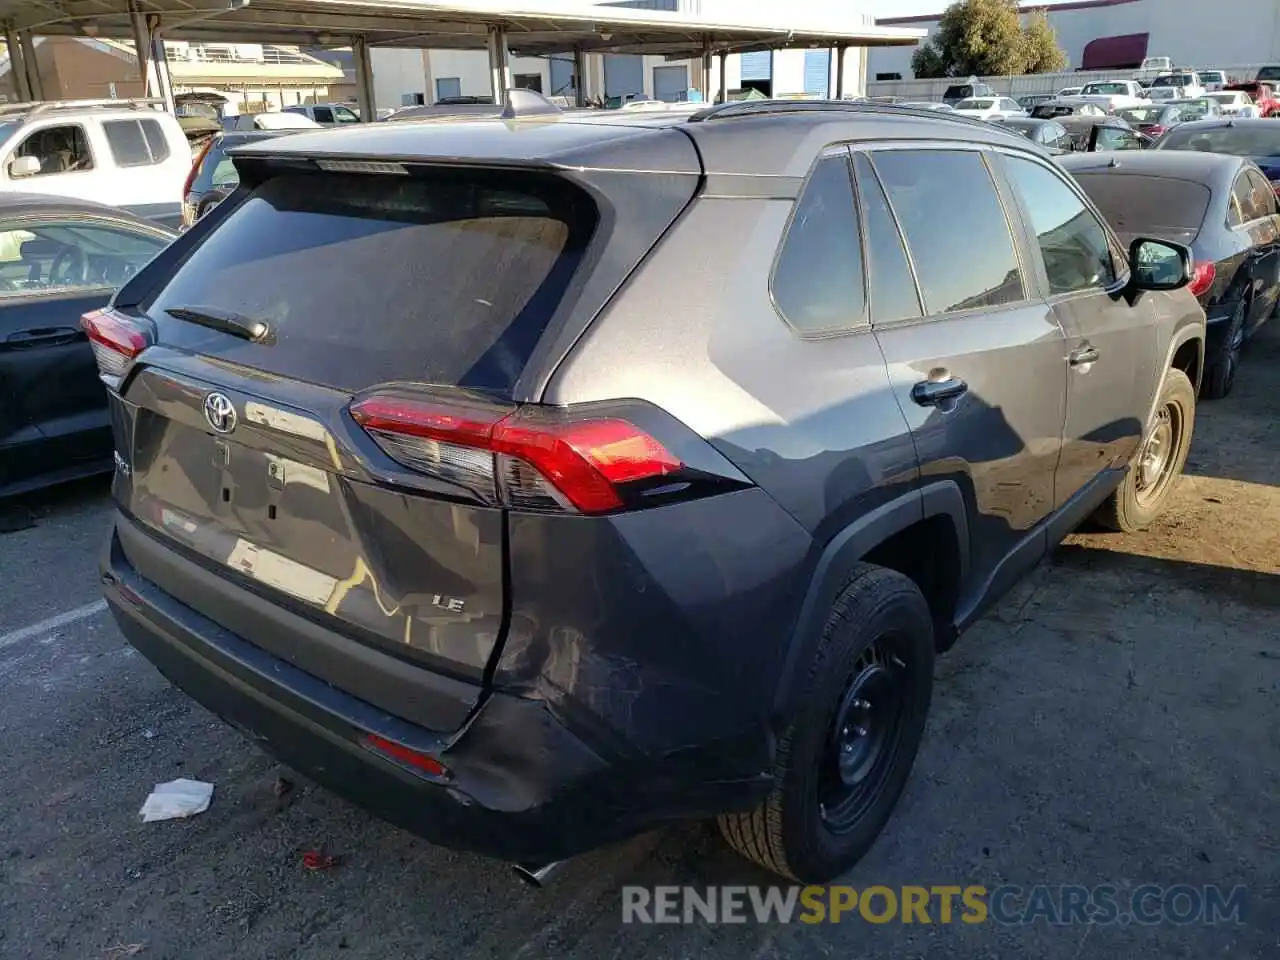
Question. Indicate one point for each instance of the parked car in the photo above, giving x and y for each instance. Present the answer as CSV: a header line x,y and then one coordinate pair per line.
x,y
989,108
966,91
410,489
325,114
1188,80
1034,100
275,120
1166,94
1091,134
213,176
1066,92
1231,102
59,257
1151,68
1113,95
1050,134
1056,109
1224,209
1152,120
1198,108
119,152
1213,80
1263,96
926,105
1257,139
1270,74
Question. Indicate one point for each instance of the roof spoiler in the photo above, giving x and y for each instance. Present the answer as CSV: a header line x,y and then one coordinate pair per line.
x,y
521,103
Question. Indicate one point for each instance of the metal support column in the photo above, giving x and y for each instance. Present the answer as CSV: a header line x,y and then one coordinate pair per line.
x,y
34,83
141,47
17,65
364,79
499,64
160,63
724,81
705,85
840,50
580,76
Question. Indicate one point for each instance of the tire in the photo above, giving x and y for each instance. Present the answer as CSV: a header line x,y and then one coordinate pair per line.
x,y
1137,502
1223,365
877,643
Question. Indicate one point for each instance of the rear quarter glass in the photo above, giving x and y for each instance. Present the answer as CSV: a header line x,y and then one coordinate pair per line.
x,y
450,277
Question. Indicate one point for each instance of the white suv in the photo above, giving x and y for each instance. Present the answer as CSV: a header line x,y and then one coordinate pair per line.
x,y
120,152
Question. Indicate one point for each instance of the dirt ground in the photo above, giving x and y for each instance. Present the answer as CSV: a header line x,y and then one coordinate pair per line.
x,y
1112,721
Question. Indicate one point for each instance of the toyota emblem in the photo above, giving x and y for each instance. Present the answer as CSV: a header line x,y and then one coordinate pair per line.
x,y
220,412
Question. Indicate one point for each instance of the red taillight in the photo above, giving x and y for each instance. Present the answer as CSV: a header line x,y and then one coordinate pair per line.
x,y
404,755
1202,278
116,341
1155,129
521,459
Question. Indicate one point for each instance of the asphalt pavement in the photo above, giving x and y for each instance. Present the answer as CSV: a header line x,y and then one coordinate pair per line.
x,y
1113,722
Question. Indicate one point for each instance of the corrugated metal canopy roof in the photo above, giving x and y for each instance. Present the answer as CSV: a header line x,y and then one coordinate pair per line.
x,y
533,26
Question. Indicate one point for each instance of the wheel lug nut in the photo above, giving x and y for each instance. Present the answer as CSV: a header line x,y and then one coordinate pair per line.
x,y
862,731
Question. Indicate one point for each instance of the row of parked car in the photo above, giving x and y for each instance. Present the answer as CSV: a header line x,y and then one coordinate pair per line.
x,y
450,466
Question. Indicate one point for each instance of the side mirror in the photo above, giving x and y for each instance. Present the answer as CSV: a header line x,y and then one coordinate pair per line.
x,y
1158,264
23,167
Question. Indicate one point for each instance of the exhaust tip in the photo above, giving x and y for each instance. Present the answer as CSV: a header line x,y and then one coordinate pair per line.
x,y
536,876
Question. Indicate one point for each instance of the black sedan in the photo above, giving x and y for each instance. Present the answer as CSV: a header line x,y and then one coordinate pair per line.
x,y
1257,138
1050,134
59,258
1224,209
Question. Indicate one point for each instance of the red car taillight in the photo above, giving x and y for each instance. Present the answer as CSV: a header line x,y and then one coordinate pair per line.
x,y
116,341
1155,129
1202,278
524,458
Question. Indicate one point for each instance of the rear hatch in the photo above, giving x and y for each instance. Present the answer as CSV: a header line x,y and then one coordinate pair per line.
x,y
426,289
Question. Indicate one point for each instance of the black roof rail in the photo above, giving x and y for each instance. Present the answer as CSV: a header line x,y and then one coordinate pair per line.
x,y
764,108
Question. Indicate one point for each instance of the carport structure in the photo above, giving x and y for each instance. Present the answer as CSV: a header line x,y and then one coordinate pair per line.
x,y
529,28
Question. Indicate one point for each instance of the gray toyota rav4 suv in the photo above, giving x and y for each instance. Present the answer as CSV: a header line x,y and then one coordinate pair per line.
x,y
535,481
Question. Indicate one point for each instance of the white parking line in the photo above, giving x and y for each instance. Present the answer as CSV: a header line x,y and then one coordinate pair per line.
x,y
52,623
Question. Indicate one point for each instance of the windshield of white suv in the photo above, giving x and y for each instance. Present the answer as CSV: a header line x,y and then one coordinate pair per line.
x,y
973,104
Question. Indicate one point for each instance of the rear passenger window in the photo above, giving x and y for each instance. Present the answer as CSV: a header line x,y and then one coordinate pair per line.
x,y
1074,244
890,284
955,228
817,282
136,143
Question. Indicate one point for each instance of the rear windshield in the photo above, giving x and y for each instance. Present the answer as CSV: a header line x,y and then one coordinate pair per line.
x,y
1133,203
449,278
1262,140
1107,88
1268,73
1174,80
1143,114
975,104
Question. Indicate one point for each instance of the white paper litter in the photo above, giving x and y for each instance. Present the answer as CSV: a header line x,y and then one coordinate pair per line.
x,y
176,799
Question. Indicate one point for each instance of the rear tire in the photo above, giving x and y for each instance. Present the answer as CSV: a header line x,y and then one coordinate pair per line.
x,y
1154,473
1225,362
845,756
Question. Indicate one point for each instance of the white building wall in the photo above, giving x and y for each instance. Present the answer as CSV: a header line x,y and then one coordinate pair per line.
x,y
401,73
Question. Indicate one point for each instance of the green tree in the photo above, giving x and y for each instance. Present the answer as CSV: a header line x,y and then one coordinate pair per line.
x,y
974,38
1040,50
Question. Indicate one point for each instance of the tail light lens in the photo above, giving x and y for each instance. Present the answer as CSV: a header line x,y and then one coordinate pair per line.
x,y
1155,130
116,341
1202,278
522,458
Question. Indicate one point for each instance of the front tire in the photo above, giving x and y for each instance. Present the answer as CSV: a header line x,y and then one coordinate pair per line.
x,y
1154,473
845,756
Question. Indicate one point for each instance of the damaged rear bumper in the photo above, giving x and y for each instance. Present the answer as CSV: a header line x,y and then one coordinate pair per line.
x,y
520,785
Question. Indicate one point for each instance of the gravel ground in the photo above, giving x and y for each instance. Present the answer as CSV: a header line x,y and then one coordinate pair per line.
x,y
1111,722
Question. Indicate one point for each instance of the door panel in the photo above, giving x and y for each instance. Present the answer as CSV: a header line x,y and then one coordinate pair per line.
x,y
981,380
1110,346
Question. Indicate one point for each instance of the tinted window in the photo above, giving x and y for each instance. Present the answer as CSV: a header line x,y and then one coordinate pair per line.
x,y
817,283
965,259
1261,139
322,115
1072,242
892,288
1136,204
343,115
450,278
62,149
72,254
1115,138
156,143
1264,197
128,143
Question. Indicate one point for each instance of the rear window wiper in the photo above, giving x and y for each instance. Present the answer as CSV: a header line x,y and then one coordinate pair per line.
x,y
224,321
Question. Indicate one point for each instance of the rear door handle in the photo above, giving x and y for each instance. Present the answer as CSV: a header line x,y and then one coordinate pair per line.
x,y
938,389
1084,355
41,337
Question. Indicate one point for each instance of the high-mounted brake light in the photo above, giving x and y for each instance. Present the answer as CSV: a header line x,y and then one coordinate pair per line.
x,y
1202,278
520,459
116,341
